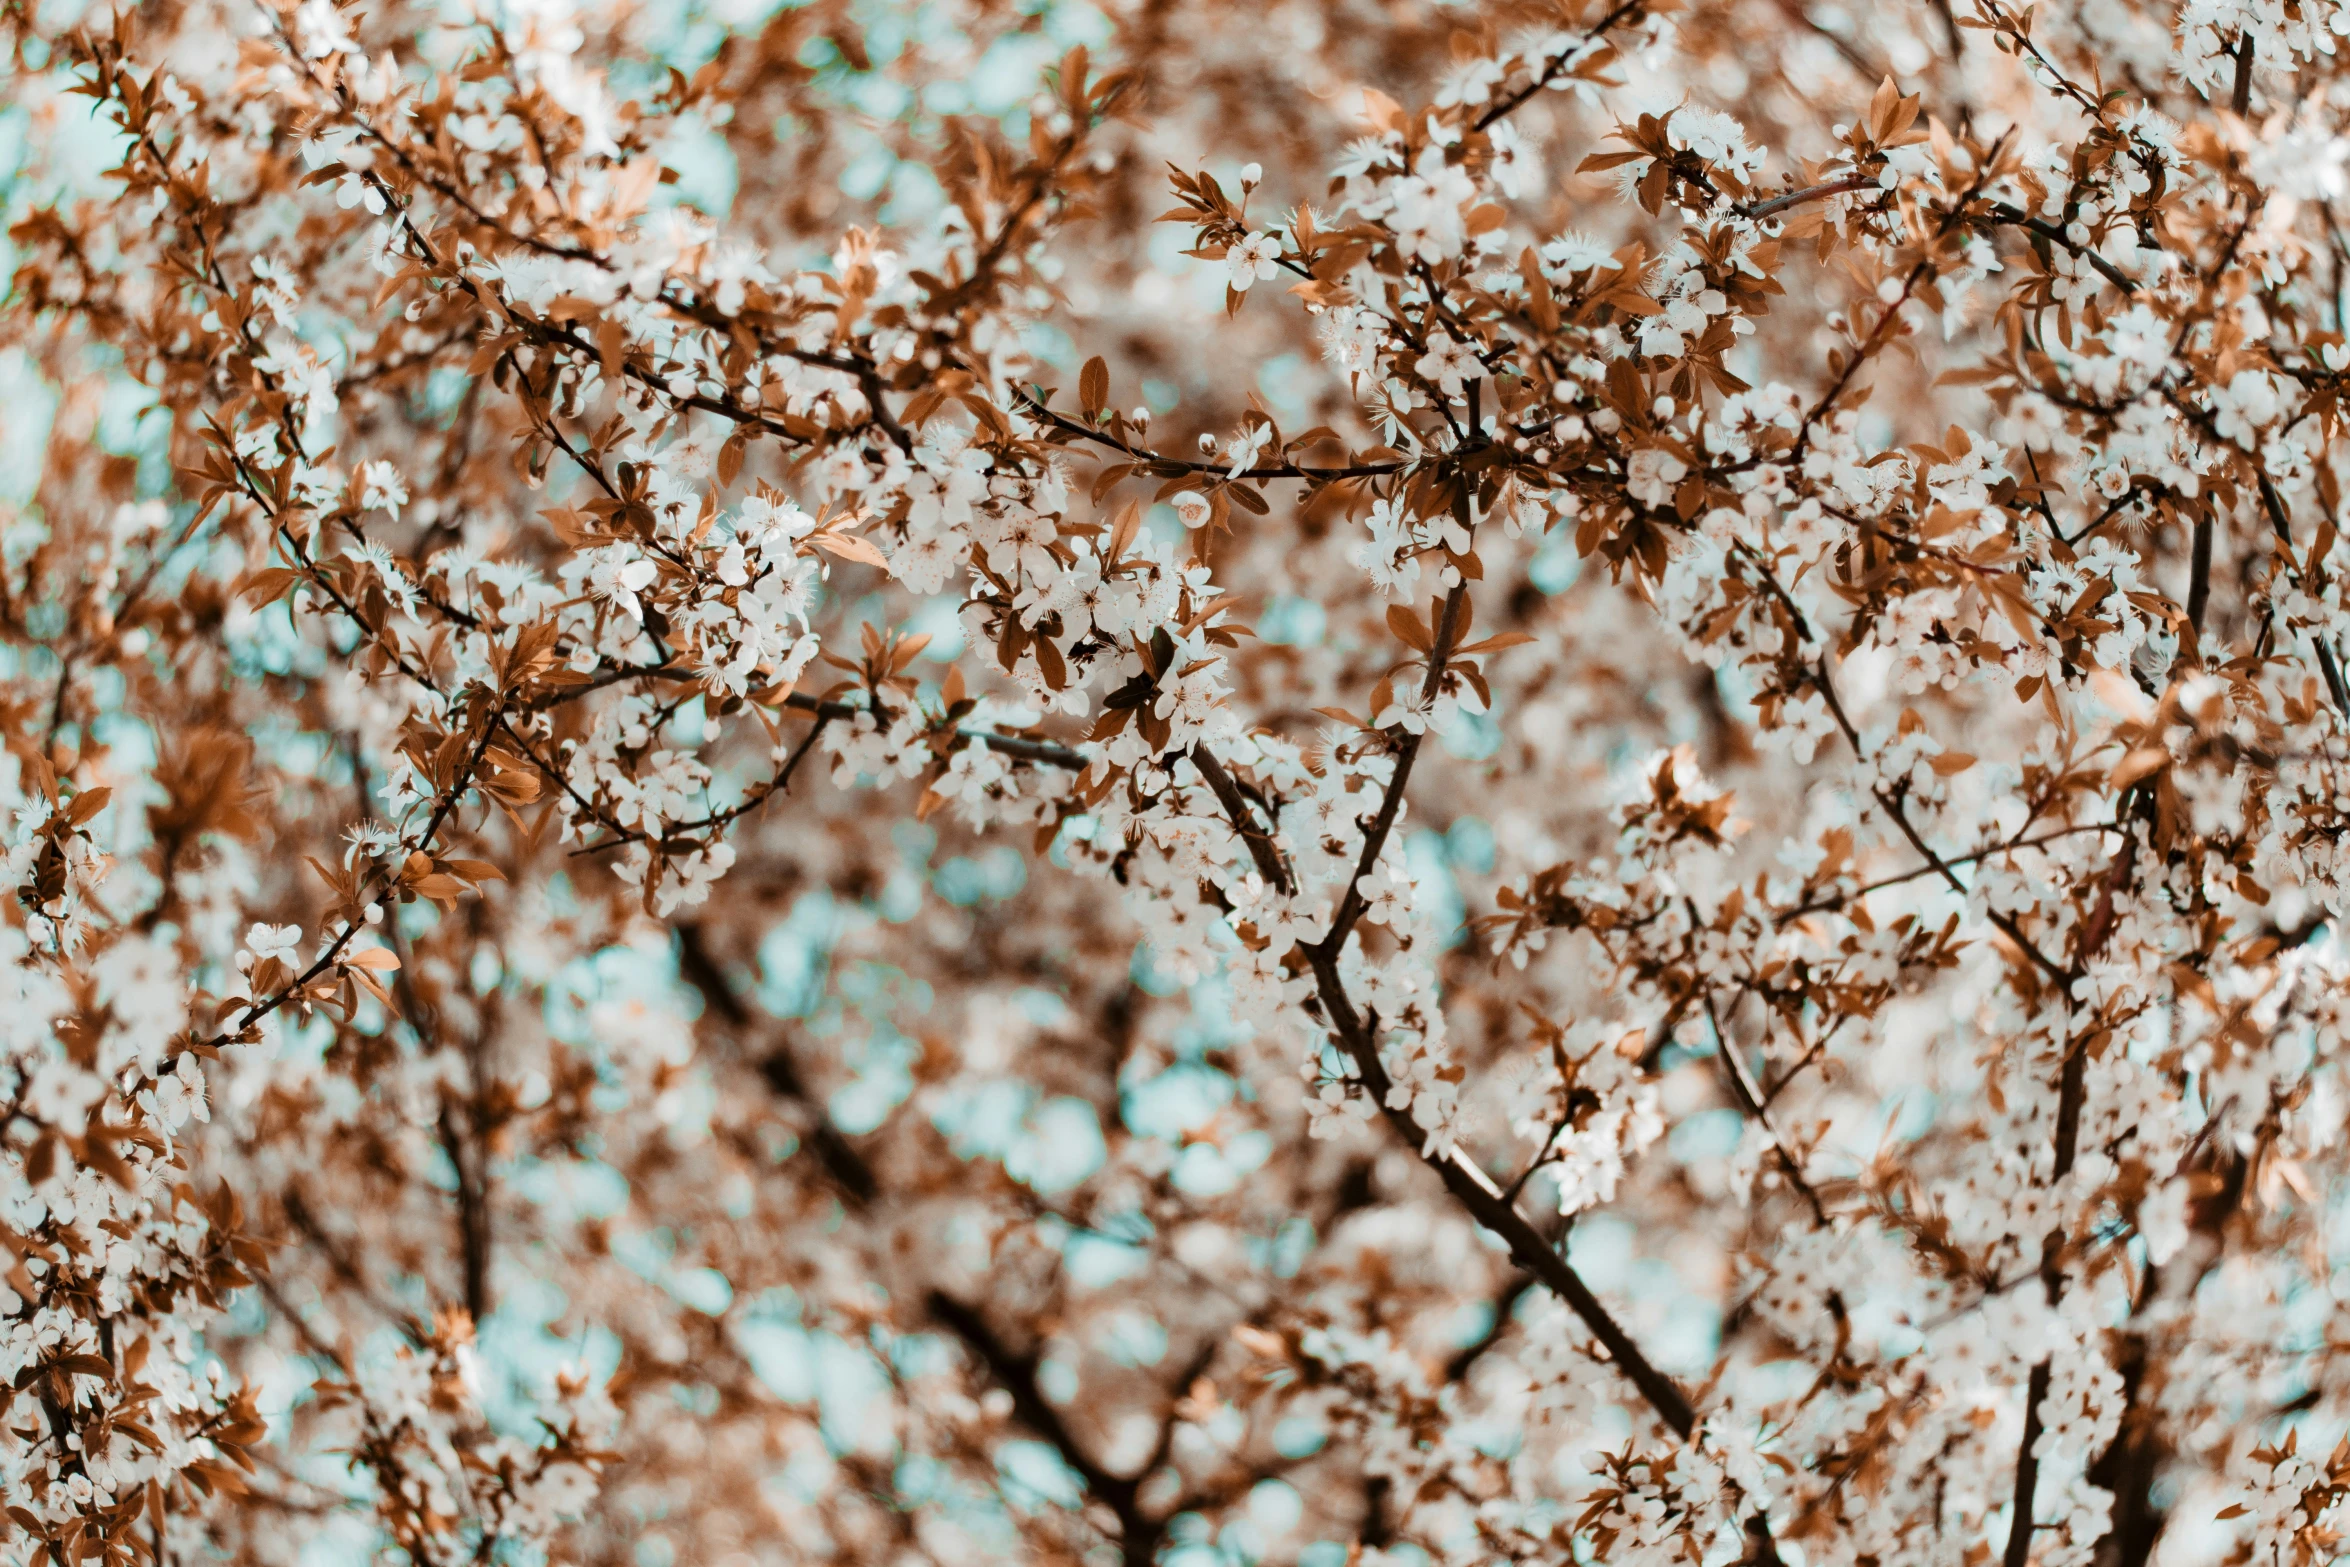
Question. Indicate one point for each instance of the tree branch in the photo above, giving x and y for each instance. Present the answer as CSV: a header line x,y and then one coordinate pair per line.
x,y
2199,576
1510,104
1468,1183
1795,198
848,1169
1261,845
2325,654
1750,1096
1138,1531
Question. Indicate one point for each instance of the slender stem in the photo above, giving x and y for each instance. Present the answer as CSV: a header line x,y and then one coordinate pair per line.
x,y
2027,1472
1796,198
1511,103
2325,653
2199,575
1468,1183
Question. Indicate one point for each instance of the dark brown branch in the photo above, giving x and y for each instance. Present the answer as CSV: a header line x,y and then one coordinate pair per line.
x,y
473,1219
1950,29
1015,1373
1795,198
1505,1305
1261,847
2005,922
1475,1191
1867,349
2017,217
466,1162
842,1163
1018,746
1468,1183
2072,1092
2199,576
2130,1465
254,1013
306,1224
1750,1098
1800,15
1169,467
2032,841
1511,103
2325,654
2027,1472
1042,752
1351,907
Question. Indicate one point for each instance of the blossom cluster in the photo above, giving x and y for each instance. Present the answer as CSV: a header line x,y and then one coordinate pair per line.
x,y
1623,840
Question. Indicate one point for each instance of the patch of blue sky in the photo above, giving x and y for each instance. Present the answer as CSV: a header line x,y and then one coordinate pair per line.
x,y
306,753
1291,621
1034,1477
915,198
344,1539
1429,855
804,1364
1738,687
992,876
1285,1251
881,1062
132,422
1129,1338
795,956
868,172
522,1355
1048,1145
1273,1509
1050,344
1151,976
1212,1023
645,975
707,174
1211,1169
1605,1250
78,145
571,1191
1114,1247
1003,78
1468,843
24,435
939,618
1556,564
1181,1099
1300,1436
1472,736
266,643
15,141
1289,385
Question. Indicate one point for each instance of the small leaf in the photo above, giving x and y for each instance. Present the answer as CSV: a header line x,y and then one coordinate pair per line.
x,y
1495,643
2141,763
850,547
1407,625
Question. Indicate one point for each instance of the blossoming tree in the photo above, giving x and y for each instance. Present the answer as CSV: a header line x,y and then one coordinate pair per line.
x,y
1312,782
